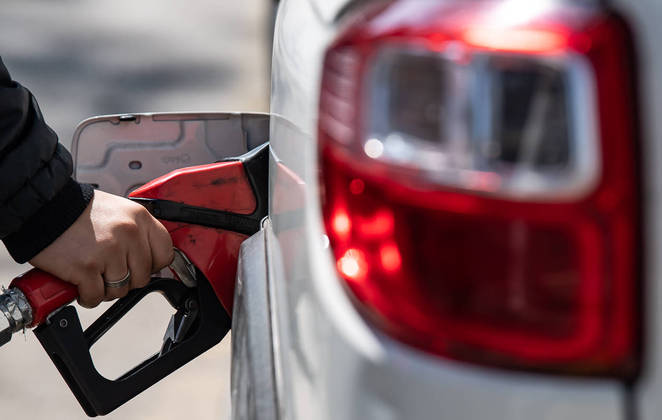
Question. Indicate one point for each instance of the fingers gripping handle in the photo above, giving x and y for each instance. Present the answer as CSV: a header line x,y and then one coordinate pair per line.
x,y
45,293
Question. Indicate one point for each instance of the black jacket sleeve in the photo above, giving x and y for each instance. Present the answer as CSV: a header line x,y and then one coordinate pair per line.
x,y
39,199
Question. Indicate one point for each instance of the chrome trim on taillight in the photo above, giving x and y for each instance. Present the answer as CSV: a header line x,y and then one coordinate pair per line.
x,y
460,157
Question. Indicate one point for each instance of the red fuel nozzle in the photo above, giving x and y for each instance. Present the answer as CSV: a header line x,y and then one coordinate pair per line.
x,y
44,293
31,297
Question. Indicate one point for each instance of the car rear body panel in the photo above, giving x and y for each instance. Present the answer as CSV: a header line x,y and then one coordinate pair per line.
x,y
644,17
252,349
330,364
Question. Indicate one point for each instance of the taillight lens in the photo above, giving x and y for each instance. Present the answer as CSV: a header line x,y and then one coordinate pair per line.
x,y
479,179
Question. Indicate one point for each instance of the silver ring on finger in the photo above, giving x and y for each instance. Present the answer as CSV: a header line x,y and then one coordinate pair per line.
x,y
119,283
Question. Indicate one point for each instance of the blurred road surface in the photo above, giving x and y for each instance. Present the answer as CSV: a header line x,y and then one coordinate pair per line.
x,y
89,58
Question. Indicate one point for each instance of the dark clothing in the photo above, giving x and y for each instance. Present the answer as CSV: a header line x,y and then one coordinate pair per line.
x,y
38,198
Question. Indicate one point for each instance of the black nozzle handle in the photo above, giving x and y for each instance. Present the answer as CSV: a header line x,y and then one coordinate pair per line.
x,y
68,345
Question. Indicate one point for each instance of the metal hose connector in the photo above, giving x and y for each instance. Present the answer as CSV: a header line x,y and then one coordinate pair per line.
x,y
16,313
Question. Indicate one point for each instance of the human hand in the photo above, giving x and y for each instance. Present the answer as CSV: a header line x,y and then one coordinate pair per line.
x,y
112,237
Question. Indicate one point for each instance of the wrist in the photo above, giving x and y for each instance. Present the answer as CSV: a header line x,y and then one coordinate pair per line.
x,y
49,222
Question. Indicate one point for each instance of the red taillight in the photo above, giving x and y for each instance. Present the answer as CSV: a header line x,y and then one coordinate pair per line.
x,y
479,179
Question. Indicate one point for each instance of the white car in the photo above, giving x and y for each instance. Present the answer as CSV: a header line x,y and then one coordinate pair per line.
x,y
463,214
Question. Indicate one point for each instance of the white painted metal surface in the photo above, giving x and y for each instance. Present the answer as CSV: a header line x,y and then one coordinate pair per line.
x,y
330,363
644,17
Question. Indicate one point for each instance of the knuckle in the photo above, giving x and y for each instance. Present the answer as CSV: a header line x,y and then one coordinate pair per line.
x,y
69,275
109,244
90,263
140,213
126,227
